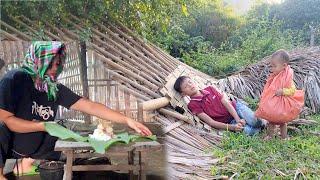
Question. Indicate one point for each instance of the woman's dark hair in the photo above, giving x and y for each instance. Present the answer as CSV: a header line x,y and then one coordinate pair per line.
x,y
179,81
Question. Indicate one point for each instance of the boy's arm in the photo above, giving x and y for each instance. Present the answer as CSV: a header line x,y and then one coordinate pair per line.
x,y
219,125
289,91
225,101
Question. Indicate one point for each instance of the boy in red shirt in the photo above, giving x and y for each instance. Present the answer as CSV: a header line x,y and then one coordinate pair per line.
x,y
216,109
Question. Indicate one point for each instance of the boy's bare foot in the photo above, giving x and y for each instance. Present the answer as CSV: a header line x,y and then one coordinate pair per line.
x,y
25,166
267,138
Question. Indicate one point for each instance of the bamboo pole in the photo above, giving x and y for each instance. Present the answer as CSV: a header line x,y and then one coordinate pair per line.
x,y
174,62
117,59
124,43
119,46
135,59
163,63
155,103
117,66
53,36
24,36
11,37
134,93
142,73
116,90
175,115
125,79
24,24
127,103
143,46
59,32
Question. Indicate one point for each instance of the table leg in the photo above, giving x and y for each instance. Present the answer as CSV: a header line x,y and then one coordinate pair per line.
x,y
131,162
142,171
68,167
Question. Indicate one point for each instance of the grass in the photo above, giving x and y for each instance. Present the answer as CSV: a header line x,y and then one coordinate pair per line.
x,y
252,158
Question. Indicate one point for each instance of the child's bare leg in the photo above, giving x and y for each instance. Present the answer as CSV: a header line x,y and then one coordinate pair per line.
x,y
270,131
1,175
283,131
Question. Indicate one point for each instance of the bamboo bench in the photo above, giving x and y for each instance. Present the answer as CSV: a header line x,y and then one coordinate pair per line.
x,y
139,150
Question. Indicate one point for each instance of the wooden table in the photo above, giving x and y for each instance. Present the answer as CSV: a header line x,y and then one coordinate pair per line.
x,y
138,149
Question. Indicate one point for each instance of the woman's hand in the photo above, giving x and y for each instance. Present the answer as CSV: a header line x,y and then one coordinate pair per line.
x,y
138,127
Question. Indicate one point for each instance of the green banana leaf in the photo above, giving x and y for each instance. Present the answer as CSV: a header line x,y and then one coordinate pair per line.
x,y
61,132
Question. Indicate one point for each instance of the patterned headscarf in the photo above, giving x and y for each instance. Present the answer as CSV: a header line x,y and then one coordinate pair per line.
x,y
38,59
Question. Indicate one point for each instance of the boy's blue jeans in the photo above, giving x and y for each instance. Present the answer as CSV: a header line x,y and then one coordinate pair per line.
x,y
253,125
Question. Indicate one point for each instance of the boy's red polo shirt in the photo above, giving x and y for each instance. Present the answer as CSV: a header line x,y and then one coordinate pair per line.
x,y
210,103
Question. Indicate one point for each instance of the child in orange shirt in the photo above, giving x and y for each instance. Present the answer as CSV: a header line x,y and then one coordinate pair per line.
x,y
280,101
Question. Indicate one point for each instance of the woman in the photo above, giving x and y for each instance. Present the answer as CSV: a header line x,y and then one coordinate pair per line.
x,y
29,96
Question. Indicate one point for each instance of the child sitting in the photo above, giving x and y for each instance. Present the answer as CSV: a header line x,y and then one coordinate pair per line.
x,y
280,101
216,109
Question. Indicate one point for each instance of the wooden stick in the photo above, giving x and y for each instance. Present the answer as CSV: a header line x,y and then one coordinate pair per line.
x,y
24,24
53,36
11,37
116,58
155,103
175,115
109,62
59,32
117,66
128,65
124,43
24,36
143,44
153,56
134,93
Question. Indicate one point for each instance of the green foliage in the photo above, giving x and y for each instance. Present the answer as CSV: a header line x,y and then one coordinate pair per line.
x,y
258,38
296,13
254,158
252,103
211,20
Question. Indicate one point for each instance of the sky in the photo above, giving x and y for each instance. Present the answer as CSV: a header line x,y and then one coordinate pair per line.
x,y
242,6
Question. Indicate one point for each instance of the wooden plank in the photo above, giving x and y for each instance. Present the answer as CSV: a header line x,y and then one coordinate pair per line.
x,y
172,126
68,167
127,104
82,54
69,145
118,167
131,162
